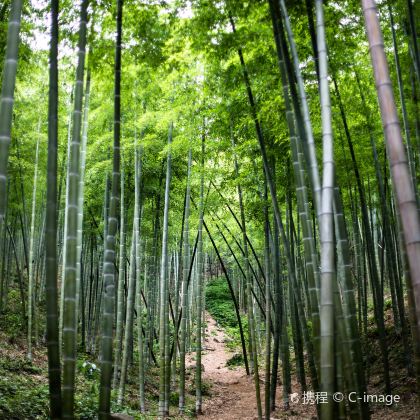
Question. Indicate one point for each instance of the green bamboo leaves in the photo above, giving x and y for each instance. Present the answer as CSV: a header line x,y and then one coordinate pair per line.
x,y
270,177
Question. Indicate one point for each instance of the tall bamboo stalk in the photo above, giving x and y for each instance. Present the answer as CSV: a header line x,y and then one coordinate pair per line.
x,y
248,283
411,160
311,258
81,189
164,361
267,400
137,220
277,215
31,294
184,289
66,209
308,138
370,248
120,288
54,368
328,276
129,316
400,171
109,252
70,279
7,98
200,281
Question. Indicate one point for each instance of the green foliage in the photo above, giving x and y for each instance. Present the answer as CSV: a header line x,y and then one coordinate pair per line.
x,y
220,306
86,404
236,360
18,365
22,395
88,369
174,399
205,388
185,70
219,303
22,400
11,321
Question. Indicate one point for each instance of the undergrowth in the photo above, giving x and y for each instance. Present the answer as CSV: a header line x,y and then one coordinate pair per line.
x,y
221,307
24,393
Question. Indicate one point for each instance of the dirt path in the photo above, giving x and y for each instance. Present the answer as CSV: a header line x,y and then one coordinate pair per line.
x,y
233,392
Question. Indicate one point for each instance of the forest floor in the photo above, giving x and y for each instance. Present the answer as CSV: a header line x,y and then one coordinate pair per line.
x,y
232,392
229,394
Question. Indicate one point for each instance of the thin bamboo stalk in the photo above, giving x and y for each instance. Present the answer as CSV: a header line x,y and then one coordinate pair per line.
x,y
7,98
109,252
163,409
31,300
54,368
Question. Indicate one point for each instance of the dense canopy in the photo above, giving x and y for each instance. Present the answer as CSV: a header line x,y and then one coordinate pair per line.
x,y
165,164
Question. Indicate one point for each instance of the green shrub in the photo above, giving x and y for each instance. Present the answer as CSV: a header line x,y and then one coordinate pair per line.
x,y
219,303
221,307
235,360
21,399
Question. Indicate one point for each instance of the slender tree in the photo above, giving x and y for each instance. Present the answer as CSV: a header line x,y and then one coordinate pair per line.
x,y
54,368
31,294
81,195
164,361
109,252
248,284
137,220
200,281
184,289
70,315
120,288
7,97
129,316
400,171
326,224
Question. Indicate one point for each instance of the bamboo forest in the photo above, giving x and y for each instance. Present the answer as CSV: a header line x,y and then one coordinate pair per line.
x,y
210,209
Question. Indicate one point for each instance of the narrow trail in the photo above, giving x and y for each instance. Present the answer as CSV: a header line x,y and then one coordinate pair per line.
x,y
232,391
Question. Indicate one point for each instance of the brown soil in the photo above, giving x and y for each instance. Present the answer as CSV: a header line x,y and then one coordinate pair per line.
x,y
233,392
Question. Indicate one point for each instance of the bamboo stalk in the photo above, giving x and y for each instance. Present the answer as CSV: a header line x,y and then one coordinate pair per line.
x,y
7,98
31,294
70,279
400,172
109,251
54,368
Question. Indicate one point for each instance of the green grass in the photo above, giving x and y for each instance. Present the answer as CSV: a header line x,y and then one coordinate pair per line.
x,y
236,360
220,306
